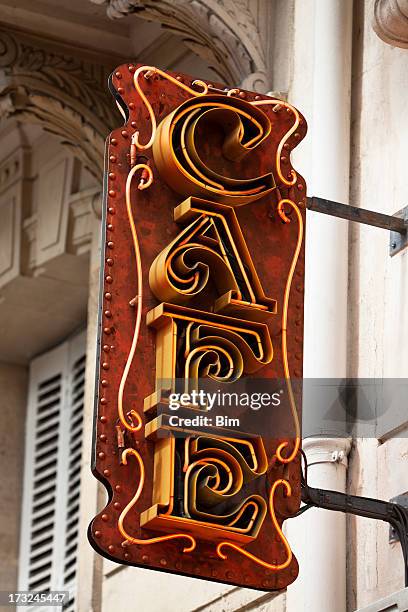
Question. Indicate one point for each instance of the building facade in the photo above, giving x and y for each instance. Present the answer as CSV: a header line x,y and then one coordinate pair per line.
x,y
344,64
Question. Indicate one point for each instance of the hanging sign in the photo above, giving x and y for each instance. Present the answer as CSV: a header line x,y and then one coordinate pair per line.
x,y
201,302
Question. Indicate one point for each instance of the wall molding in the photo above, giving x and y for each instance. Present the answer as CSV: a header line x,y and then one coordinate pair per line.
x,y
65,95
224,33
390,22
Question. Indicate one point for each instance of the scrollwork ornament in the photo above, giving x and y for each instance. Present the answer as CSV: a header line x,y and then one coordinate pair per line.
x,y
223,33
8,50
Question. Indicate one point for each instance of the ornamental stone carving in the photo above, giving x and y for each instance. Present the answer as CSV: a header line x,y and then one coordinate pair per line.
x,y
391,22
65,95
224,33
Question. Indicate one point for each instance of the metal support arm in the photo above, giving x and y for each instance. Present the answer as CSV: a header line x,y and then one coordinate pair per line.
x,y
397,224
392,513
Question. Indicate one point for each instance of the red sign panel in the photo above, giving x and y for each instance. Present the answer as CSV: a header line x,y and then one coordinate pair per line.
x,y
203,270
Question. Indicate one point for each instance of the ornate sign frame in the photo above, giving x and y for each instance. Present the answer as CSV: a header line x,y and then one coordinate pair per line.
x,y
202,277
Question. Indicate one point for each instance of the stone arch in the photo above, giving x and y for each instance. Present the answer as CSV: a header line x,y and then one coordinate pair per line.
x,y
223,33
65,95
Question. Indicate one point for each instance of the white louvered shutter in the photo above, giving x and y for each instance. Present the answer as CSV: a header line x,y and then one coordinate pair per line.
x,y
74,449
50,513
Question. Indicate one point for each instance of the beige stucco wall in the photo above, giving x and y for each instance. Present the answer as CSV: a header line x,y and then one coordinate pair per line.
x,y
378,346
378,313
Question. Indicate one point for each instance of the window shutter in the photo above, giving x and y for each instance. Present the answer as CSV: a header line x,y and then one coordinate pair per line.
x,y
76,391
49,531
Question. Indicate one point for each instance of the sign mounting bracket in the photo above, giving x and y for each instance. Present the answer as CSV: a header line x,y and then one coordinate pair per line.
x,y
393,513
397,224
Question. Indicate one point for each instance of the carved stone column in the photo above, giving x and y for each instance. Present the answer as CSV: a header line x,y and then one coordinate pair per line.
x,y
391,22
224,33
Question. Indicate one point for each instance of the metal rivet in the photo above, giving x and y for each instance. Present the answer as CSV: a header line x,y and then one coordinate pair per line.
x,y
110,245
131,105
131,68
111,211
103,438
107,330
145,559
286,146
97,534
134,124
121,90
113,159
108,296
109,279
111,548
103,419
112,176
118,75
105,517
300,187
124,134
108,314
101,455
103,401
105,365
110,227
284,160
104,383
163,562
109,261
112,193
257,97
179,78
106,473
114,142
297,135
106,348
116,505
126,555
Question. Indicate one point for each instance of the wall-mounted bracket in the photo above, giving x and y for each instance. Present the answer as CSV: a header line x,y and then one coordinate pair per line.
x,y
397,224
398,240
391,512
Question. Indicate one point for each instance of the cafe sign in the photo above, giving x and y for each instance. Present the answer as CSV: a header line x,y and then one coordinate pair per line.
x,y
202,282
